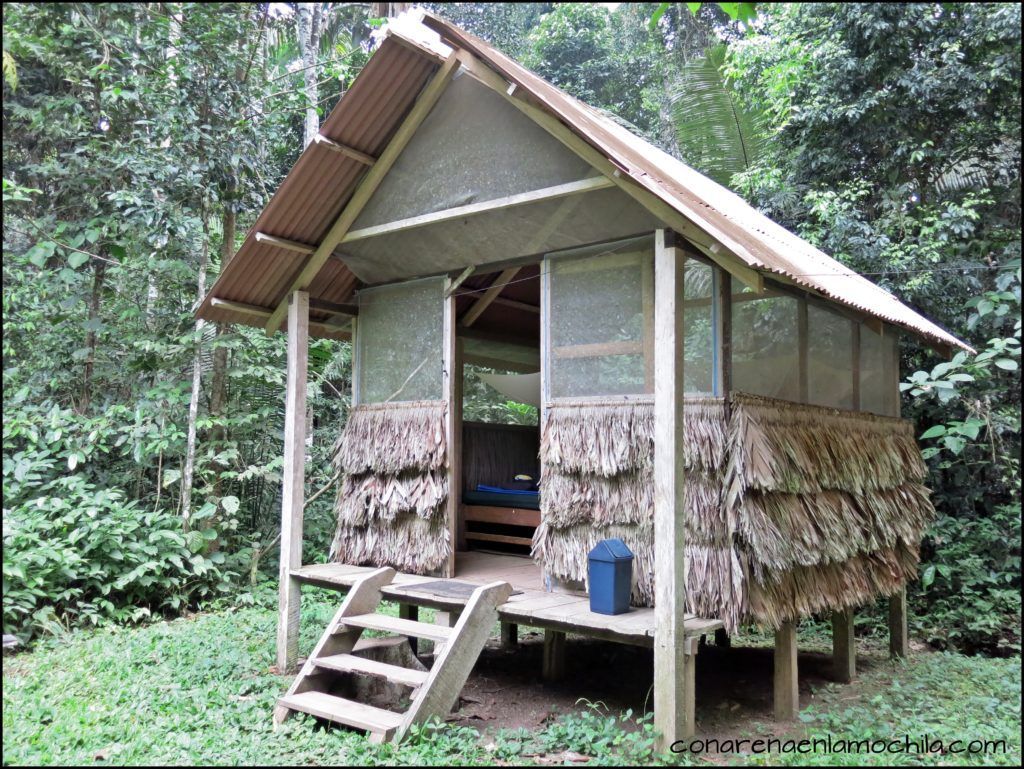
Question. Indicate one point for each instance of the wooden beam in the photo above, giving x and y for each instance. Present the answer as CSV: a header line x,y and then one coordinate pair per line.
x,y
484,301
374,176
599,349
509,635
748,276
553,669
786,692
671,717
899,641
452,393
500,364
497,336
855,364
517,305
348,310
475,209
724,255
454,285
290,245
410,612
723,334
343,149
647,310
803,340
293,482
264,312
844,646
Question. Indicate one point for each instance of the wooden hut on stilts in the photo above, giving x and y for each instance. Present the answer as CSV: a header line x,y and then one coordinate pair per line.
x,y
713,390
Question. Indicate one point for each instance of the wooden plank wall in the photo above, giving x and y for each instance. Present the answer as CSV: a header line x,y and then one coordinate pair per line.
x,y
492,454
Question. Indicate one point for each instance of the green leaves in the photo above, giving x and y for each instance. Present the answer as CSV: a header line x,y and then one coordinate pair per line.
x,y
717,132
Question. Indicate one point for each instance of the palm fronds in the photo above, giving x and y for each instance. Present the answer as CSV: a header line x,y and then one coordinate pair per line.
x,y
717,134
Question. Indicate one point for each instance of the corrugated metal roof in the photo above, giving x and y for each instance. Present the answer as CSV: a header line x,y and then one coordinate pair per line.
x,y
750,235
317,188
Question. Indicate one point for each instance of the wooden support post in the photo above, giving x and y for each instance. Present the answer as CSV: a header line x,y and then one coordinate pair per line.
x,y
844,647
690,647
673,717
723,333
803,342
293,482
445,619
410,612
786,688
452,364
722,640
509,635
855,363
899,641
554,656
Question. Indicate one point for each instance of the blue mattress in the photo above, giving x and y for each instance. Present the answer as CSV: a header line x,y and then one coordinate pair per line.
x,y
498,497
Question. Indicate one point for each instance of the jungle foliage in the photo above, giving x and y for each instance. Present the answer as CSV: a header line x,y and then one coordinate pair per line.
x,y
141,140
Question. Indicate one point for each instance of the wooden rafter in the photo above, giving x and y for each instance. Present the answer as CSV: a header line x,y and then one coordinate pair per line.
x,y
374,176
483,302
264,313
291,245
516,304
343,149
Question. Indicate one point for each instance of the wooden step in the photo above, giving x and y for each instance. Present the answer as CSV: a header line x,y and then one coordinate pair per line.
x,y
341,711
406,627
350,663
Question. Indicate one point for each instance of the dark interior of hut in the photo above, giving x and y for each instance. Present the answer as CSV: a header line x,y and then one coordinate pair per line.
x,y
499,328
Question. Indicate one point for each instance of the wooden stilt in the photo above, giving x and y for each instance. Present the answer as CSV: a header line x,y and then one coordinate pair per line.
x,y
689,716
509,635
293,482
786,689
410,612
722,639
673,708
554,656
899,641
844,647
444,619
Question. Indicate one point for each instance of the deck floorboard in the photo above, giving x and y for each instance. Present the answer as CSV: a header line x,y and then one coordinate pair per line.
x,y
532,606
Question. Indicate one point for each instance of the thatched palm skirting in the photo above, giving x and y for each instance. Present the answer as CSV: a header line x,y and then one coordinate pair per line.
x,y
790,509
394,488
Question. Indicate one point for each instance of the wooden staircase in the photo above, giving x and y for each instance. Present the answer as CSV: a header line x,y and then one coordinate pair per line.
x,y
434,692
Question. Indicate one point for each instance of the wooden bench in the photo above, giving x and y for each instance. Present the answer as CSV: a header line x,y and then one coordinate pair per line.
x,y
507,516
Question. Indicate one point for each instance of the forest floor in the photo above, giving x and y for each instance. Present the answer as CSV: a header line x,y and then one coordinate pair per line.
x,y
200,689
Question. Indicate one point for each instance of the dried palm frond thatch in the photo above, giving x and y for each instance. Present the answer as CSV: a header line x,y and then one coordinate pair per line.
x,y
389,438
392,498
789,509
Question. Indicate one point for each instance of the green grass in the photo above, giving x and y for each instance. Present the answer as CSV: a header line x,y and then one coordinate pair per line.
x,y
200,690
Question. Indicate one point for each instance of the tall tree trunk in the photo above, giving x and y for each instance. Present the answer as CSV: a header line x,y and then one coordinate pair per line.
x,y
218,385
309,20
188,471
388,10
99,273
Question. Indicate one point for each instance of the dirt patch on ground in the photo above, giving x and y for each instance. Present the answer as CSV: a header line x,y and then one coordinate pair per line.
x,y
734,685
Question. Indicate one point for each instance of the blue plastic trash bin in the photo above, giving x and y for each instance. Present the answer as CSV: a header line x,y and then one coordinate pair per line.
x,y
611,572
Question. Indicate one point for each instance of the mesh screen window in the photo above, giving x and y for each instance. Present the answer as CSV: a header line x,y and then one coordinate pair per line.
x,y
399,334
602,322
765,344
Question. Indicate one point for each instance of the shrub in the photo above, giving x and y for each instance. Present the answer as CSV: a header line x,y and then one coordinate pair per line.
x,y
970,583
80,553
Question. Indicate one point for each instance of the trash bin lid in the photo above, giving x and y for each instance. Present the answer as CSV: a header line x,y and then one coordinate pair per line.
x,y
610,550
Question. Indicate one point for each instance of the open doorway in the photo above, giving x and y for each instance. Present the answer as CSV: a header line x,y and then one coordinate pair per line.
x,y
499,498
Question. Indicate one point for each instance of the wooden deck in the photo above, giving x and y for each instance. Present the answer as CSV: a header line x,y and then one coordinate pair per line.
x,y
531,605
